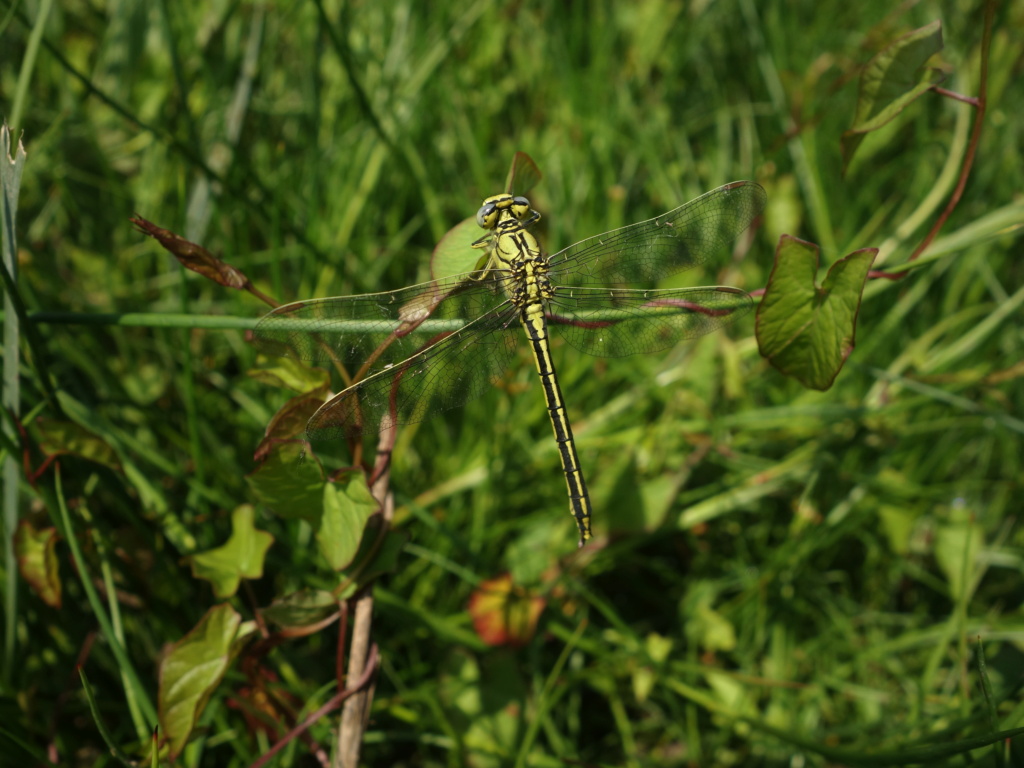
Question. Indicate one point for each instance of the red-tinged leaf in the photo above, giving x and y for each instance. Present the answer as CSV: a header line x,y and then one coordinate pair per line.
x,y
193,256
807,331
241,557
504,614
893,79
191,671
60,438
289,422
290,374
37,561
290,483
346,511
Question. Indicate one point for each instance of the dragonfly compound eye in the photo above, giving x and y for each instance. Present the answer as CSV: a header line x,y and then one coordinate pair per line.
x,y
487,216
520,208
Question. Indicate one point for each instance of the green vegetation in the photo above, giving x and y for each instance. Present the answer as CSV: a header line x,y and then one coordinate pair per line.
x,y
779,575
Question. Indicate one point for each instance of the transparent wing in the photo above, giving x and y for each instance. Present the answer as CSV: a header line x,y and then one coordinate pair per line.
x,y
615,323
383,328
651,250
453,370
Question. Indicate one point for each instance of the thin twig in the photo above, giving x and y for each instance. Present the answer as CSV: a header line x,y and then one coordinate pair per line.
x,y
355,715
330,706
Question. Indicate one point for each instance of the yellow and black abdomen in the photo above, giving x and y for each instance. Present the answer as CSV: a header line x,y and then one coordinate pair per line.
x,y
532,316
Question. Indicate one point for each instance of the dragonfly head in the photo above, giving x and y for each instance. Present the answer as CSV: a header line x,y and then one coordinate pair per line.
x,y
492,208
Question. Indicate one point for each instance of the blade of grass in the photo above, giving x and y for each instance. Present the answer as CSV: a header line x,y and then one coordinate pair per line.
x,y
116,647
10,185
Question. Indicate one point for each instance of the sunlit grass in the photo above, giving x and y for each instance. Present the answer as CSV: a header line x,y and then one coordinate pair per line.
x,y
790,571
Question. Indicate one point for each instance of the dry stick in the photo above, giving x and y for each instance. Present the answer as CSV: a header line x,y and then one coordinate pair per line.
x,y
313,717
356,712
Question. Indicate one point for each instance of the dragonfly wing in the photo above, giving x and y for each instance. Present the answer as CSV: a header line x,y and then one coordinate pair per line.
x,y
454,369
385,326
651,250
614,323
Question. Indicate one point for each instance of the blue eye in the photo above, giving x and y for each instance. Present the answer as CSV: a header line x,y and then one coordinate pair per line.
x,y
485,216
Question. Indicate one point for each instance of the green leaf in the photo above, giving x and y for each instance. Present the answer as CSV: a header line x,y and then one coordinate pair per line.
x,y
191,671
897,525
288,373
805,331
37,561
305,608
345,512
455,254
894,78
957,546
58,438
385,558
290,484
240,558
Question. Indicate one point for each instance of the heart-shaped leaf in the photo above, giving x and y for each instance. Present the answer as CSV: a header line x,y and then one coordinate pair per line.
x,y
807,331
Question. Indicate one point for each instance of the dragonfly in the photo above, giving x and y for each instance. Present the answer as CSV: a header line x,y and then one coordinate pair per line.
x,y
428,348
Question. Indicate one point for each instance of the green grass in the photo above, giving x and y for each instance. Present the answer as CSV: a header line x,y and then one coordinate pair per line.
x,y
793,577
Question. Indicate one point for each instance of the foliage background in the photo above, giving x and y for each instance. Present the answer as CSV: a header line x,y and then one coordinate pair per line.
x,y
792,572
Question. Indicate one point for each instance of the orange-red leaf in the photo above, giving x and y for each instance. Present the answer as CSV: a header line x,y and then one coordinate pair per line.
x,y
504,614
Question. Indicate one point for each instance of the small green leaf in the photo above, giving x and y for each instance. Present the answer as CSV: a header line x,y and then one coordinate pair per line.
x,y
240,558
897,525
288,373
192,670
894,78
658,647
805,331
643,680
37,561
455,254
304,608
345,512
290,484
957,546
58,438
